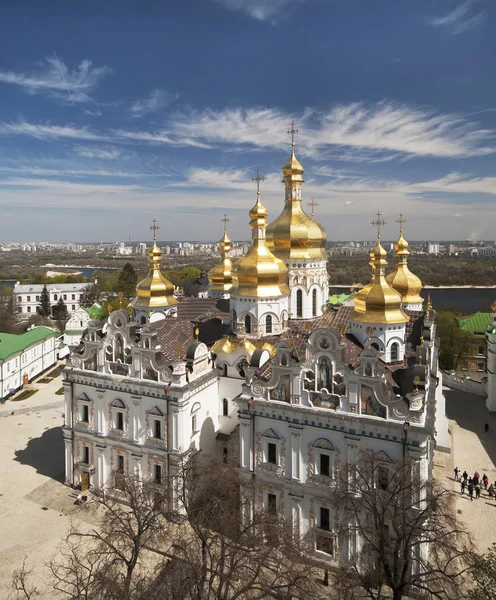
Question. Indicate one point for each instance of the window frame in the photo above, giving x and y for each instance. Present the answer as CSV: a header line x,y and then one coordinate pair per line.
x,y
299,303
271,447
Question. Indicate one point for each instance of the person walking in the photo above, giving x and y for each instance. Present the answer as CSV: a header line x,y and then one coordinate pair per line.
x,y
485,481
471,491
465,476
490,490
475,478
462,485
477,491
456,470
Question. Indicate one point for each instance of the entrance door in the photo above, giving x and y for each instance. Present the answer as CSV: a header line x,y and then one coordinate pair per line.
x,y
85,482
25,379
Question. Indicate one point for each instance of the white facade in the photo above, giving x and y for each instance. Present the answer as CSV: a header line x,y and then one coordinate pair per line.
x,y
491,366
388,340
309,284
258,317
28,296
75,327
32,358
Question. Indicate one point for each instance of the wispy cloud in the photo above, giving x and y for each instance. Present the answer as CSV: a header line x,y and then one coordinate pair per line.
x,y
92,113
460,19
261,10
54,78
49,132
107,154
373,132
158,137
155,101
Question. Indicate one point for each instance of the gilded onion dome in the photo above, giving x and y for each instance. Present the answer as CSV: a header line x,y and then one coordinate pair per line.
x,y
221,276
382,304
293,234
359,299
402,279
154,291
259,273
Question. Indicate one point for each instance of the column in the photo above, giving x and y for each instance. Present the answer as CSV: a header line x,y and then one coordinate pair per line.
x,y
246,442
295,472
69,464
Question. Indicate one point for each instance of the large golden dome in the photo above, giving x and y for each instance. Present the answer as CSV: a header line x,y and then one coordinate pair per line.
x,y
259,273
154,291
293,234
359,299
221,276
382,304
402,279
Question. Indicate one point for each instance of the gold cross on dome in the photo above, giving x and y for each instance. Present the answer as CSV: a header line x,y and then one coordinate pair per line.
x,y
225,220
258,179
401,220
313,204
292,132
154,227
378,223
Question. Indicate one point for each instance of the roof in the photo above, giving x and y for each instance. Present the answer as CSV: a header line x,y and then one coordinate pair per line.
x,y
11,343
95,311
37,288
340,298
476,324
191,308
174,336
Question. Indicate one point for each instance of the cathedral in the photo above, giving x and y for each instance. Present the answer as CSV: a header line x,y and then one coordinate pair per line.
x,y
263,373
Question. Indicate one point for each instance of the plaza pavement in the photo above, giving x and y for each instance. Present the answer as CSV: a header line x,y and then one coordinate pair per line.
x,y
36,509
472,450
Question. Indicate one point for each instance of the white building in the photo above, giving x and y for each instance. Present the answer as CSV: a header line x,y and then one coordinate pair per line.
x,y
491,362
24,356
288,399
28,296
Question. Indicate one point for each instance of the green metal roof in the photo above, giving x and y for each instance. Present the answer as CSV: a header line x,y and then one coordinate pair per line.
x,y
476,324
95,311
11,343
340,298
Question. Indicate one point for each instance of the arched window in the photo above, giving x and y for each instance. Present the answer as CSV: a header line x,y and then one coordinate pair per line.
x,y
374,345
268,324
395,350
299,303
119,348
143,320
324,376
225,407
314,302
234,316
248,323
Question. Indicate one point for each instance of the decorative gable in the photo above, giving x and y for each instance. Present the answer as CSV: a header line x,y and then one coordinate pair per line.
x,y
270,433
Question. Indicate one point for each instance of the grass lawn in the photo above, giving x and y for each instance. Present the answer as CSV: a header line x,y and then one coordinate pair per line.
x,y
23,395
60,392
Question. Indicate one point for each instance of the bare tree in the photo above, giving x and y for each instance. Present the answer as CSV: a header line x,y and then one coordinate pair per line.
x,y
21,585
403,530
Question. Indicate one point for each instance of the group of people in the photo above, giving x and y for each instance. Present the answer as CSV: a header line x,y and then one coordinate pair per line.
x,y
474,484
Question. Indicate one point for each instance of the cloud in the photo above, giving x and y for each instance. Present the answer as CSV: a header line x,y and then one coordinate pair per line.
x,y
262,10
92,113
458,20
49,132
371,132
458,215
158,137
155,101
110,153
55,79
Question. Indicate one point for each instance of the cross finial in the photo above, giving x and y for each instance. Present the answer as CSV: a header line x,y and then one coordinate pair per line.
x,y
258,179
225,220
292,132
313,204
401,220
378,223
154,227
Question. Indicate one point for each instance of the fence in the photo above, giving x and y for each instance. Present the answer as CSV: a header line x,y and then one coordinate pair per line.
x,y
465,384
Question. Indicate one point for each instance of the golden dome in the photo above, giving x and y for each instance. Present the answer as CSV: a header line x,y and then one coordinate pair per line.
x,y
293,234
359,299
154,291
493,307
221,276
259,273
402,279
382,304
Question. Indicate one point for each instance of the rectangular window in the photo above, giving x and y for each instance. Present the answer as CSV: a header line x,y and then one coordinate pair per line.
x,y
73,296
272,453
193,423
120,463
85,413
86,455
272,504
28,309
481,350
55,297
325,465
73,307
157,474
157,429
37,298
65,296
325,522
28,298
480,366
382,478
119,421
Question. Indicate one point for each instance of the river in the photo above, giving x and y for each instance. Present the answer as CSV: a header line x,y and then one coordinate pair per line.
x,y
464,300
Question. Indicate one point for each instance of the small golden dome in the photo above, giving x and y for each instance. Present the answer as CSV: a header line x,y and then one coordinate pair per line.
x,y
402,279
293,234
154,291
359,299
493,307
221,276
382,304
259,273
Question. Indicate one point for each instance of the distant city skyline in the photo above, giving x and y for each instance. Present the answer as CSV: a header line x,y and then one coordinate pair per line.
x,y
117,114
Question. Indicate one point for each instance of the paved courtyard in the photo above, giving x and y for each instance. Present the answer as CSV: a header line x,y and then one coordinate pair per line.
x,y
36,509
473,450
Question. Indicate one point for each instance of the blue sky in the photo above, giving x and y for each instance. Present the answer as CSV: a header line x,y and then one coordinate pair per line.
x,y
113,113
